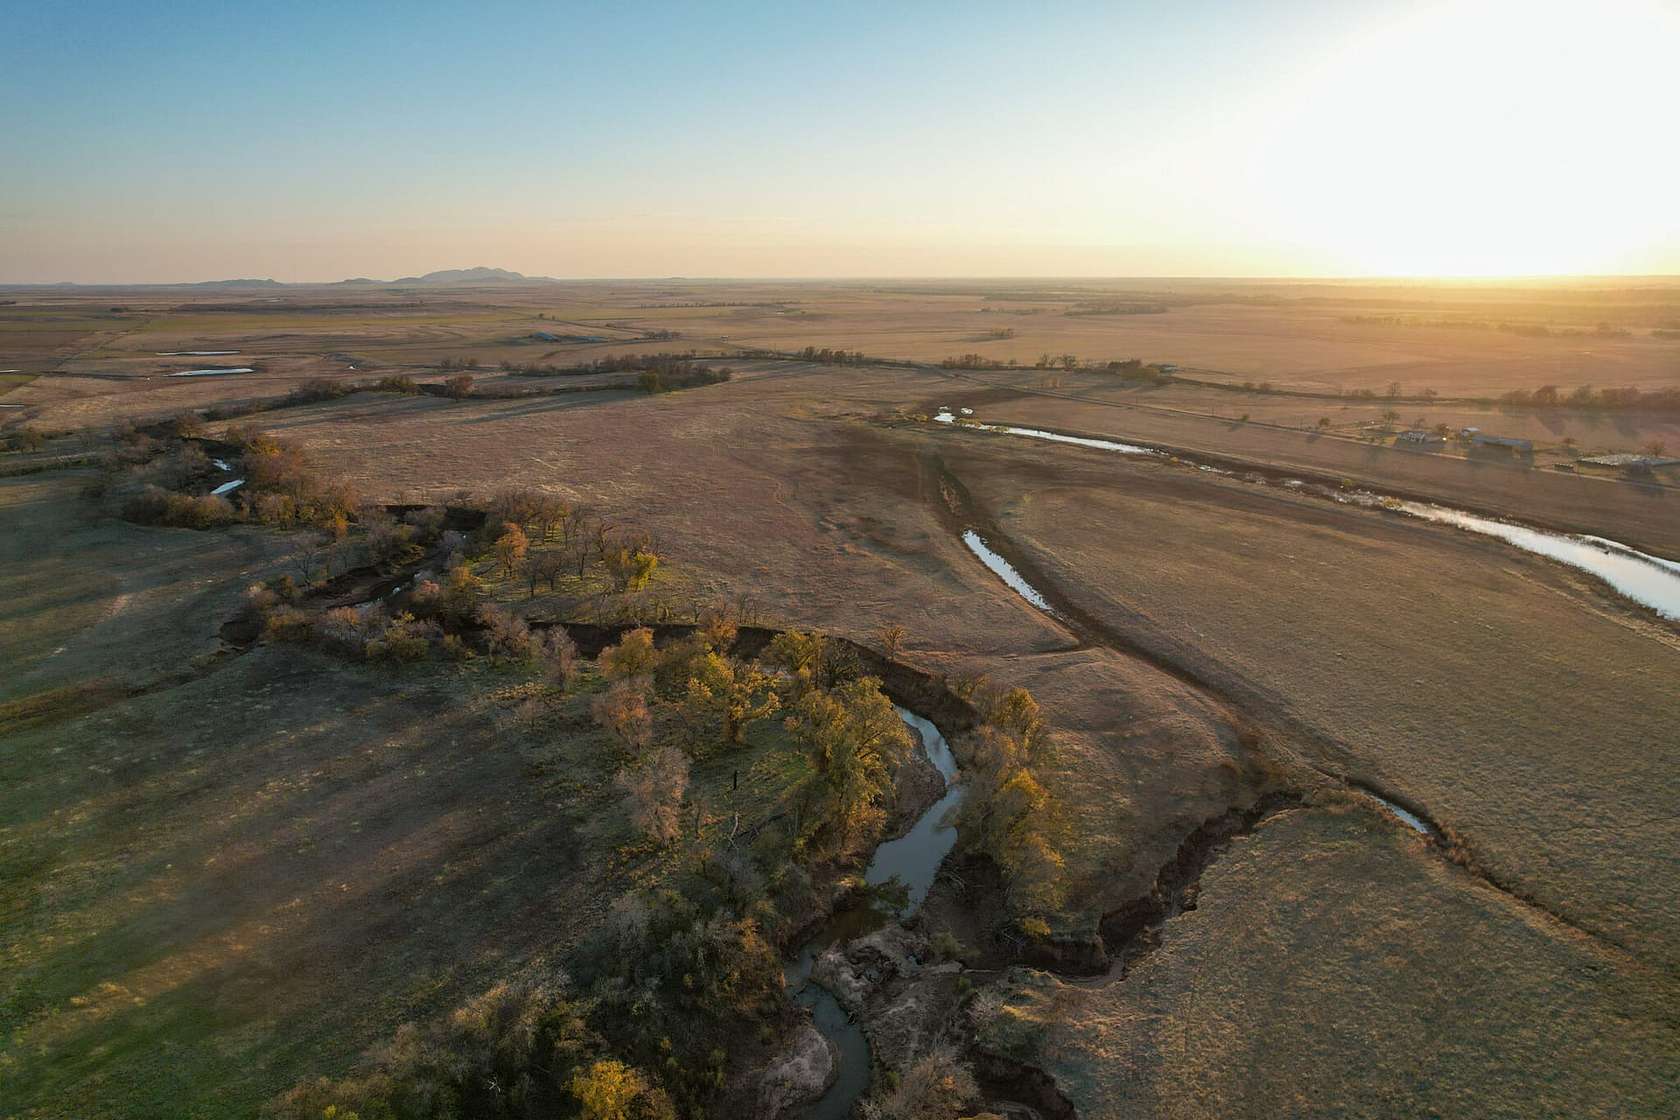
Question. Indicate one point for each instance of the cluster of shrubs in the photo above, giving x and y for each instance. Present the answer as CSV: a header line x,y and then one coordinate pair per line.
x,y
687,375
25,438
396,383
679,973
825,356
320,389
976,361
662,362
329,389
1136,369
524,1049
281,485
154,505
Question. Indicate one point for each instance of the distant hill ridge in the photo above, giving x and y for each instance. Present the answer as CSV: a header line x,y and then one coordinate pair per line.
x,y
479,275
447,277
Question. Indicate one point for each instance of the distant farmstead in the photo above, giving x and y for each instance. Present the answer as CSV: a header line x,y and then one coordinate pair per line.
x,y
1507,443
1417,437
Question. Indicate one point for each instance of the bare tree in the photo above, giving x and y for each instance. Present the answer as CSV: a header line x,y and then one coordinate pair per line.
x,y
653,794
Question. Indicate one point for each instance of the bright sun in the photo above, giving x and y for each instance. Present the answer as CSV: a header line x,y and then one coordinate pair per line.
x,y
1481,139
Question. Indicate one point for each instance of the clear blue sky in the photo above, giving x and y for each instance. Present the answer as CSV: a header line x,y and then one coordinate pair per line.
x,y
315,141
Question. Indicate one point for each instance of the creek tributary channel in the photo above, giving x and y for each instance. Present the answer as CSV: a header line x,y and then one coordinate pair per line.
x,y
914,860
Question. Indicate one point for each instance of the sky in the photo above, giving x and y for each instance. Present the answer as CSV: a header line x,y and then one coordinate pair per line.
x,y
184,141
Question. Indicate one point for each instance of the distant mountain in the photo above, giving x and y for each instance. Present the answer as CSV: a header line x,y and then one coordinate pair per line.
x,y
237,284
474,276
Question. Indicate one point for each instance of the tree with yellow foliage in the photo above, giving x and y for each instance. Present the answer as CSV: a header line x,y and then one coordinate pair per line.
x,y
632,658
736,693
611,1090
511,547
854,742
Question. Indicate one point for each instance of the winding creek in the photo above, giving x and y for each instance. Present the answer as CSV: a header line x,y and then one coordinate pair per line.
x,y
1651,581
914,859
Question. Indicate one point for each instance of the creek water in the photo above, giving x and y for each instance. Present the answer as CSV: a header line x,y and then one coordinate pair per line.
x,y
1406,817
947,417
1646,579
1651,581
1005,571
914,858
226,486
211,372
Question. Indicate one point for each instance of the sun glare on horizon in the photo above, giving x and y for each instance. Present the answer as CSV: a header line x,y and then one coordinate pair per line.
x,y
1486,140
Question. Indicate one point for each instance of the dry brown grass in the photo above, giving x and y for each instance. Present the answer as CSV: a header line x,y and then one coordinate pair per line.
x,y
1333,969
1506,695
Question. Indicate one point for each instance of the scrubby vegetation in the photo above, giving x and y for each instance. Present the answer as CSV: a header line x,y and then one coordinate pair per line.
x,y
166,482
648,1017
651,1014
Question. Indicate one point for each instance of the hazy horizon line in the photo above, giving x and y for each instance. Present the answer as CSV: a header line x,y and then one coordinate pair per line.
x,y
1281,278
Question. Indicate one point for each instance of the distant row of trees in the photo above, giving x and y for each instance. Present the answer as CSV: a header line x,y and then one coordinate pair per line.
x,y
1586,397
1526,330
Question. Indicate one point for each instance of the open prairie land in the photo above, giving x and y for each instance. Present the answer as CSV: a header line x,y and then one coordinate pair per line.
x,y
232,861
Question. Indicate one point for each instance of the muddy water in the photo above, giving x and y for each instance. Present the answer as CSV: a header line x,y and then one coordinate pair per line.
x,y
915,858
1648,580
